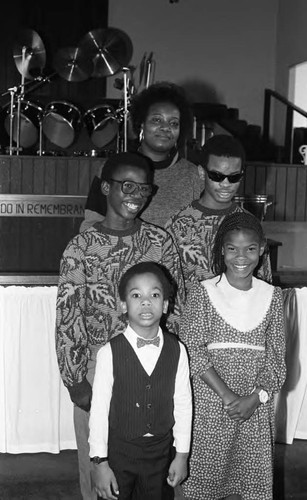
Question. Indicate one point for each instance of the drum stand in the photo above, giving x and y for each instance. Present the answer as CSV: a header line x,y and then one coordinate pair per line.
x,y
40,140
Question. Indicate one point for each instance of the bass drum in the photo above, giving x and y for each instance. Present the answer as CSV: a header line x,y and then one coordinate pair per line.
x,y
30,117
61,123
101,124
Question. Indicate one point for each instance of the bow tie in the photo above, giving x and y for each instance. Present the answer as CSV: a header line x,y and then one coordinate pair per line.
x,y
140,342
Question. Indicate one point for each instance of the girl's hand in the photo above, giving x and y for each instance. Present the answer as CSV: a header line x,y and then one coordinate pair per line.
x,y
242,407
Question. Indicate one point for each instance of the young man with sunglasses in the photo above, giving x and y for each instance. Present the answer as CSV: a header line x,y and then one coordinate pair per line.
x,y
88,304
194,227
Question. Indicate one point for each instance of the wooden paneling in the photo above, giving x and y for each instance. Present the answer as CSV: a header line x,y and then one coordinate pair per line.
x,y
285,184
35,244
48,175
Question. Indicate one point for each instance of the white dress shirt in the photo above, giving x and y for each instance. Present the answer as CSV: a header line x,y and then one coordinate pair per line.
x,y
103,386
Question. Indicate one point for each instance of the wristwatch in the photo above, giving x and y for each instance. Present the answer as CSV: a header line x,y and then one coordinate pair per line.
x,y
98,460
263,395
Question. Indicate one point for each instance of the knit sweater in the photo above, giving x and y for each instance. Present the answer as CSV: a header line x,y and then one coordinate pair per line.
x,y
178,185
88,309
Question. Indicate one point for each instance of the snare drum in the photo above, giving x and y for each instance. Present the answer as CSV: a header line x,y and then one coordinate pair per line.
x,y
30,116
101,124
61,123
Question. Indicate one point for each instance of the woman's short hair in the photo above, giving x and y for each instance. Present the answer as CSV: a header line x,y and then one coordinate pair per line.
x,y
161,92
142,268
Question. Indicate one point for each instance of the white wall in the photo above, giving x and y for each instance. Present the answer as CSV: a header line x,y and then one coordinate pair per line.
x,y
291,49
220,50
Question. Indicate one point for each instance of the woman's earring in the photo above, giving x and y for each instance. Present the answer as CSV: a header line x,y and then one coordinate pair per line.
x,y
141,135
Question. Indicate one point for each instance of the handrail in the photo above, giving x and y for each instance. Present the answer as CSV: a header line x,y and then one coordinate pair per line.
x,y
268,94
287,102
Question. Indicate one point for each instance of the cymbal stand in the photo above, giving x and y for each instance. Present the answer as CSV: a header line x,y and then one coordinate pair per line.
x,y
12,91
20,96
125,71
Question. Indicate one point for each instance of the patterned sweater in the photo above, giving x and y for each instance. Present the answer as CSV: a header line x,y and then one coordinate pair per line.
x,y
88,306
193,230
178,185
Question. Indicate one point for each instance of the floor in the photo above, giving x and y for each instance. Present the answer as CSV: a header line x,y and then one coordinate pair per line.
x,y
44,476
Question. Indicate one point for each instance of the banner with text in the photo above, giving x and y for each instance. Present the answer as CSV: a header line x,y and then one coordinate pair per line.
x,y
31,205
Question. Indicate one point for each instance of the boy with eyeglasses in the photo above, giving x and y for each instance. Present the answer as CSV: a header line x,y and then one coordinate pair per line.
x,y
88,305
194,227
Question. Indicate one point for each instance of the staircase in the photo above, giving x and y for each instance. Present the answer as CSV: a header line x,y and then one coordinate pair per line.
x,y
220,119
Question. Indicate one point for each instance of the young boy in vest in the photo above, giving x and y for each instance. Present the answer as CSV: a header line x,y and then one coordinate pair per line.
x,y
141,405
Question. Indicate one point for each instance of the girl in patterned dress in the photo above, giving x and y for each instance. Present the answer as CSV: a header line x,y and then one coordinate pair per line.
x,y
233,328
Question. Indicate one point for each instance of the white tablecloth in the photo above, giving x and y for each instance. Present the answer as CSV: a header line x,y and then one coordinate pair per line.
x,y
36,414
291,403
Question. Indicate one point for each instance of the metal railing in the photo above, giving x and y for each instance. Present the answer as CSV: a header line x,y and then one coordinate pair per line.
x,y
290,109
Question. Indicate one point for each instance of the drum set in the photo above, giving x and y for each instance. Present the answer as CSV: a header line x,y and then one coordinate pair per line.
x,y
100,53
60,122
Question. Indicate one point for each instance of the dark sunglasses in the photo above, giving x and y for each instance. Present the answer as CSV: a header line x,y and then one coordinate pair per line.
x,y
129,187
218,177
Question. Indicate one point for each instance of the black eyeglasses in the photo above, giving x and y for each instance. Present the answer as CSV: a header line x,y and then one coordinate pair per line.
x,y
129,187
218,177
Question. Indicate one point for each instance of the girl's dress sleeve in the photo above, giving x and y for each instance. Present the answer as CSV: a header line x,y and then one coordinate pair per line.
x,y
273,374
194,328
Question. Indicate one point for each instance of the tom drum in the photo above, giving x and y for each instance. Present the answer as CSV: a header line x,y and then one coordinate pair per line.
x,y
61,123
101,124
30,116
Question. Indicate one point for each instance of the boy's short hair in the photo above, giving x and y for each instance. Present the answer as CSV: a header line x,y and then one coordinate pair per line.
x,y
122,159
223,145
146,267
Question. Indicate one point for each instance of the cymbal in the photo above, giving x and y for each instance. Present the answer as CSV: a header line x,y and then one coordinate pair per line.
x,y
29,54
72,64
110,50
